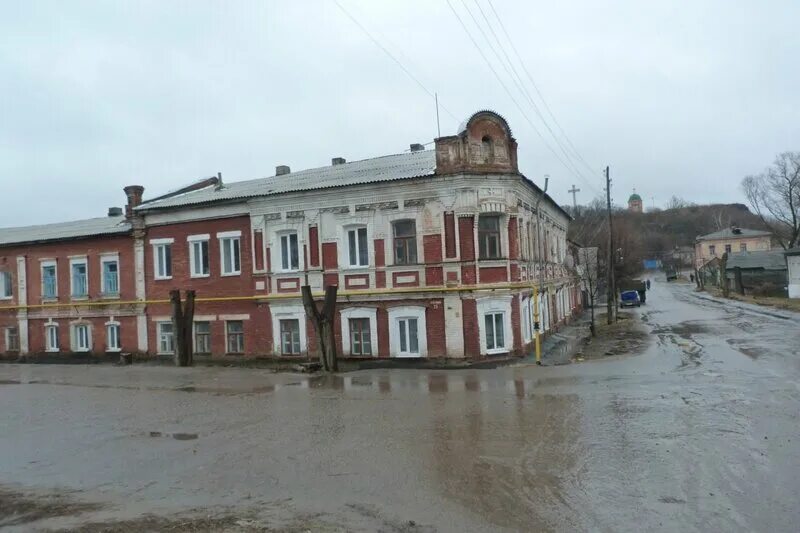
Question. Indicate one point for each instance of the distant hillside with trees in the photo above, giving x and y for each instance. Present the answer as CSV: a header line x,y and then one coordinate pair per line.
x,y
657,232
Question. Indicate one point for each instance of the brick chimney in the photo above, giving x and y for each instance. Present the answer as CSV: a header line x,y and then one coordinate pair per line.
x,y
338,161
280,170
134,194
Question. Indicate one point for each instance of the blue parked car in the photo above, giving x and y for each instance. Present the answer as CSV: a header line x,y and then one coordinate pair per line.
x,y
630,299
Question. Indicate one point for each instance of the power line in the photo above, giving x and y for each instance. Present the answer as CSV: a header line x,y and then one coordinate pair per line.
x,y
511,96
516,78
536,88
393,58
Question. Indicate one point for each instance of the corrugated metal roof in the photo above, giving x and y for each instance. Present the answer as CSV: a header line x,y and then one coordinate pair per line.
x,y
378,169
64,230
728,233
769,260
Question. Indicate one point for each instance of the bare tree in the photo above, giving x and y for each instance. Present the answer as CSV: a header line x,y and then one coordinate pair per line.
x,y
721,219
587,266
323,322
775,197
676,202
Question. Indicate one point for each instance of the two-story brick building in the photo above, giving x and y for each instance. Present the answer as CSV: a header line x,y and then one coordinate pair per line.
x,y
435,253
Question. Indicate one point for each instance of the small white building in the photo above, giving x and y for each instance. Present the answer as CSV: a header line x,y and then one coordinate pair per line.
x,y
793,272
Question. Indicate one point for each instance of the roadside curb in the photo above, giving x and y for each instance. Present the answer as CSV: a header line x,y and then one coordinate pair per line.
x,y
755,308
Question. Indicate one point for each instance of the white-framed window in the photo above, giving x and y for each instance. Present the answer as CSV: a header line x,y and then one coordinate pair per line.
x,y
109,266
166,338
526,319
234,336
6,285
359,331
79,278
489,236
357,246
162,258
12,339
81,338
230,252
494,324
199,264
288,329
51,337
49,279
290,256
290,336
408,332
202,337
113,343
405,242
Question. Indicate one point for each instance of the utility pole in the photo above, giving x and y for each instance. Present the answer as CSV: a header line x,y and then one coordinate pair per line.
x,y
573,191
438,128
611,288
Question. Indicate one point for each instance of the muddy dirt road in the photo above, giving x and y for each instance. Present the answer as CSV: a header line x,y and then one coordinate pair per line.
x,y
698,433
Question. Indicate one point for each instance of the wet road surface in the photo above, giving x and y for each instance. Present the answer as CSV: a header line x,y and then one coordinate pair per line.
x,y
698,433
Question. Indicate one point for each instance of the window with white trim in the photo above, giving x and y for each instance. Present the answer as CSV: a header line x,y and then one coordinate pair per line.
x,y
405,242
489,236
234,334
230,247
408,335
81,340
79,278
407,331
290,257
199,265
358,246
12,339
49,279
166,338
110,275
112,337
51,337
495,331
6,285
360,337
202,338
162,260
290,336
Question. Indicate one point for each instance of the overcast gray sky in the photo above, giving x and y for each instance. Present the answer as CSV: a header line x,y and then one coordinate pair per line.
x,y
677,97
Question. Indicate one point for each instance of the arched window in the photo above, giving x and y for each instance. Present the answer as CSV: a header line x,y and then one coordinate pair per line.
x,y
487,149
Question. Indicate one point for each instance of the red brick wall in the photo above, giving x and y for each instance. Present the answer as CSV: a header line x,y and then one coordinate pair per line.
x,y
432,246
515,324
513,239
434,276
380,279
258,249
434,319
515,272
313,246
383,332
449,235
330,259
356,281
414,283
212,286
380,256
493,274
466,237
468,276
472,341
128,335
330,279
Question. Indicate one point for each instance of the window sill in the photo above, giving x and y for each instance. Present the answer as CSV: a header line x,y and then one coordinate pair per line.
x,y
49,299
109,296
165,353
162,279
497,351
81,350
113,350
199,276
229,274
79,298
293,271
6,297
51,350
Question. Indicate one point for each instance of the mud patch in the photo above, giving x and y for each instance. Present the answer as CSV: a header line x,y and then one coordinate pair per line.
x,y
184,436
685,330
226,523
9,382
18,508
670,499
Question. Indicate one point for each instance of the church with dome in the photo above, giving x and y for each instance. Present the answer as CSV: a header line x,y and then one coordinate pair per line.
x,y
635,203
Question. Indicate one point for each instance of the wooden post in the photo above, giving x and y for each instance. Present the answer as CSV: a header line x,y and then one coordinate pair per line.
x,y
737,276
723,267
323,325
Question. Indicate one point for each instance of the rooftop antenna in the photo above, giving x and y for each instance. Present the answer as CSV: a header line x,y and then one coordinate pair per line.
x,y
438,128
